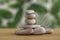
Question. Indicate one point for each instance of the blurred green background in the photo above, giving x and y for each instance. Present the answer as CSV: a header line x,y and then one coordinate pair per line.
x,y
9,7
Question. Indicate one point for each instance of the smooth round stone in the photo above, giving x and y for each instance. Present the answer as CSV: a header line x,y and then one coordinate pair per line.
x,y
29,11
30,21
49,31
31,16
31,26
40,30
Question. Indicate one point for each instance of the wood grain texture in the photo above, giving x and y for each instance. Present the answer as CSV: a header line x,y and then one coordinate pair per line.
x,y
8,34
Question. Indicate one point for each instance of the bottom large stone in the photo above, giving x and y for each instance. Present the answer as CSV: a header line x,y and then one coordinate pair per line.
x,y
31,29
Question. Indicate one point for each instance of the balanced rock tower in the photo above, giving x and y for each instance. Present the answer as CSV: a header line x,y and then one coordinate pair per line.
x,y
30,26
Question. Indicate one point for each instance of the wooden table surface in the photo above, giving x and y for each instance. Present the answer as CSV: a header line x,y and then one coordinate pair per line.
x,y
8,34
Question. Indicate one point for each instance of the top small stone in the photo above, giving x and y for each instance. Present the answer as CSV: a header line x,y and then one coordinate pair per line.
x,y
30,11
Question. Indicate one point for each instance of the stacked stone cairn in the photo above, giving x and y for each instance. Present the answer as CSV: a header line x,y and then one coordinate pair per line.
x,y
30,26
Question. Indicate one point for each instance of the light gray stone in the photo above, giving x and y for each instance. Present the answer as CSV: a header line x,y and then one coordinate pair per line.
x,y
31,26
30,21
32,16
